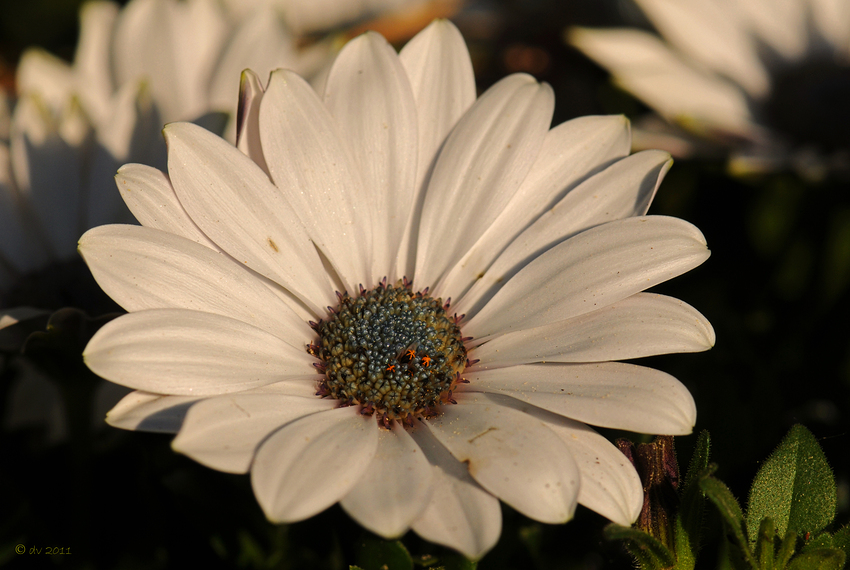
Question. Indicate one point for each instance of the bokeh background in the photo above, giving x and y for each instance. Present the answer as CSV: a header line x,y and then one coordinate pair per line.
x,y
776,289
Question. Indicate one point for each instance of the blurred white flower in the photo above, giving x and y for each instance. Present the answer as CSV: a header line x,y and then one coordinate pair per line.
x,y
423,419
136,68
767,80
311,16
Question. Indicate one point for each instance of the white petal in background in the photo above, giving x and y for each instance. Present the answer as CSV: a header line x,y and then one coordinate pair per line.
x,y
369,95
21,250
48,171
609,394
512,455
781,24
180,42
591,270
396,489
833,20
92,61
642,325
460,514
224,432
190,353
312,463
480,167
45,75
133,135
644,65
709,32
263,43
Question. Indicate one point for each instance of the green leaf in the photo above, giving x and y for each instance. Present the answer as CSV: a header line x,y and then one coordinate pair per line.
x,y
822,540
375,553
649,552
764,544
794,487
841,540
818,559
730,511
786,549
454,561
692,506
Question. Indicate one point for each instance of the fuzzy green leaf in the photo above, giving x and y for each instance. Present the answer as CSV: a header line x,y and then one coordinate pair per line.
x,y
818,559
841,540
692,506
795,487
730,511
764,544
649,552
786,549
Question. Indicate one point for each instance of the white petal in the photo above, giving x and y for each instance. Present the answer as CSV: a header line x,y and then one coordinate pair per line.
x,y
369,95
512,455
144,50
172,46
183,353
781,24
144,411
15,315
224,432
150,197
713,35
460,514
480,167
48,171
260,42
399,489
20,245
641,325
92,64
133,135
232,201
832,18
609,483
609,394
624,189
46,76
591,270
143,268
312,463
248,118
311,166
645,66
440,72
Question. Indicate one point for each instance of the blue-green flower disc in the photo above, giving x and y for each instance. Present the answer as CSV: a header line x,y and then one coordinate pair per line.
x,y
391,351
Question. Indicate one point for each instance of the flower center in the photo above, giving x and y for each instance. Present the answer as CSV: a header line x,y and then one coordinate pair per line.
x,y
809,103
392,351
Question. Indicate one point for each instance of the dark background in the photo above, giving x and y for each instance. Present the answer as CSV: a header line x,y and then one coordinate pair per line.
x,y
775,289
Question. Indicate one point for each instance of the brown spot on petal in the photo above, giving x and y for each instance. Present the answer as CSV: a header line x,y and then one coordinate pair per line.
x,y
273,245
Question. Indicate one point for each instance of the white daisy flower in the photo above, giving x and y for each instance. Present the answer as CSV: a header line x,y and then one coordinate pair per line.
x,y
400,190
766,79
